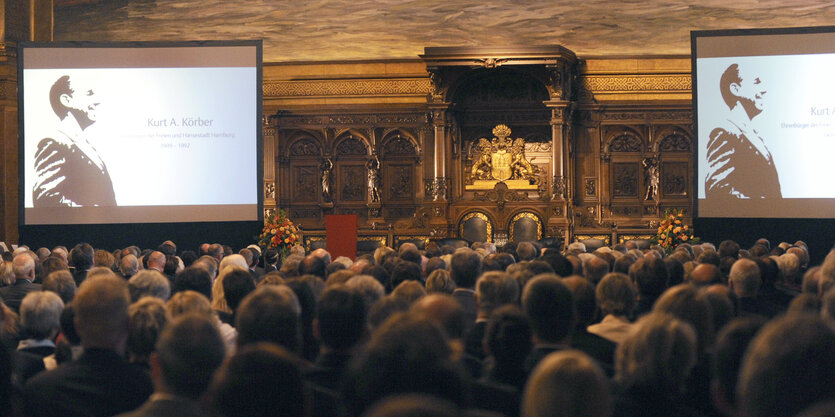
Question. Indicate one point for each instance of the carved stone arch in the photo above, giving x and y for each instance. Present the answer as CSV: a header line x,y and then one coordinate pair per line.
x,y
397,143
674,140
623,141
476,226
350,143
304,144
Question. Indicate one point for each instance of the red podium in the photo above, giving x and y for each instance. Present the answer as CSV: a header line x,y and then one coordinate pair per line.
x,y
341,235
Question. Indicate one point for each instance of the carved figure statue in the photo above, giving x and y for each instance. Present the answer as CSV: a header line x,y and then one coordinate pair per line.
x,y
374,179
651,176
520,168
326,167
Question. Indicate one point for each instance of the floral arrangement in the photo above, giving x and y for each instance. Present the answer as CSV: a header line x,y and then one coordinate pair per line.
x,y
673,232
280,233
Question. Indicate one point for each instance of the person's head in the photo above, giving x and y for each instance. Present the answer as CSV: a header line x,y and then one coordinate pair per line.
x,y
582,291
148,317
313,265
526,251
405,271
567,383
23,267
826,280
413,405
40,315
508,338
341,318
74,96
53,263
745,278
615,295
687,304
650,277
789,366
247,254
149,282
237,283
495,289
731,344
443,310
193,278
409,291
810,280
369,288
465,268
261,380
104,258
61,283
411,255
657,355
270,314
382,369
549,305
440,281
156,260
738,84
188,351
188,302
595,268
128,265
705,274
101,312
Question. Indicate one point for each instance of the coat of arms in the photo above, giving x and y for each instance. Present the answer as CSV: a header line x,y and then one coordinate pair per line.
x,y
501,159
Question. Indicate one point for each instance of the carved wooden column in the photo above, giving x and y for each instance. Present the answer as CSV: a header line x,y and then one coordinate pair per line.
x,y
270,166
559,86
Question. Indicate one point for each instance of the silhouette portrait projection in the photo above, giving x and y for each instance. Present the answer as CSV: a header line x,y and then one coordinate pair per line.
x,y
69,170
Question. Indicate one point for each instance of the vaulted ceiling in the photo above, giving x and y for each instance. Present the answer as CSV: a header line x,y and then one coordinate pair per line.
x,y
328,30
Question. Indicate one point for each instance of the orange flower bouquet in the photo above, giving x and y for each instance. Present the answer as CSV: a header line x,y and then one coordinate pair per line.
x,y
672,231
279,232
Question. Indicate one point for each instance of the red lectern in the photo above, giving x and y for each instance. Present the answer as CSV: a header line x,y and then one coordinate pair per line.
x,y
341,235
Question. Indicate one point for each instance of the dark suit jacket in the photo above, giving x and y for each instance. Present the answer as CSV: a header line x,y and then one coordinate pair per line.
x,y
473,340
13,294
166,407
99,383
466,298
66,176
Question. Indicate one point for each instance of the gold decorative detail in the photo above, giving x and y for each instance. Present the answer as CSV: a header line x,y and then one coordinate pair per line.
x,y
381,239
612,83
400,239
418,86
310,239
529,215
481,216
502,159
605,238
623,238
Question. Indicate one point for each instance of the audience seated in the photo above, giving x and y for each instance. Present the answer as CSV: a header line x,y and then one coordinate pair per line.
x,y
458,337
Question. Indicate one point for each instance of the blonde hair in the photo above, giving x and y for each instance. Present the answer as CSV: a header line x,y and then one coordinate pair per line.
x,y
188,302
567,384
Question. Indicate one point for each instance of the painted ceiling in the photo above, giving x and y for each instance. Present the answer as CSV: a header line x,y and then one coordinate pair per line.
x,y
336,30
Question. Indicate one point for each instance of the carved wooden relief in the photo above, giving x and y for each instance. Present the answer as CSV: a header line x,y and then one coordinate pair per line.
x,y
305,183
399,146
305,147
675,143
626,143
627,211
400,179
351,146
400,212
625,179
352,183
674,178
590,186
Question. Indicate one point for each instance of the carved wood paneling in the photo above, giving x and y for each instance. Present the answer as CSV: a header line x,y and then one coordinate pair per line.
x,y
635,83
305,183
352,183
674,143
346,88
305,147
399,146
625,179
674,178
351,146
626,143
401,182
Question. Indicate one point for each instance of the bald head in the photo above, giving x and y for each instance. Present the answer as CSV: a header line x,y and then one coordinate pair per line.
x,y
443,310
156,260
23,267
705,274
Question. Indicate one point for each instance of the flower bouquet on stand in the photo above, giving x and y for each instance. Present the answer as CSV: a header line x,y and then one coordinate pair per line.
x,y
672,231
280,233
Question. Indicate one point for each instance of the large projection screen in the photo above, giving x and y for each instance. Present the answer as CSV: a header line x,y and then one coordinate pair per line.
x,y
765,106
123,133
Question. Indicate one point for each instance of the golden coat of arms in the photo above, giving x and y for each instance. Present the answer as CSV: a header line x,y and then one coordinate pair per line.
x,y
501,159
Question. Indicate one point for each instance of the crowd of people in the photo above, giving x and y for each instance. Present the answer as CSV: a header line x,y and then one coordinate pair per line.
x,y
521,330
